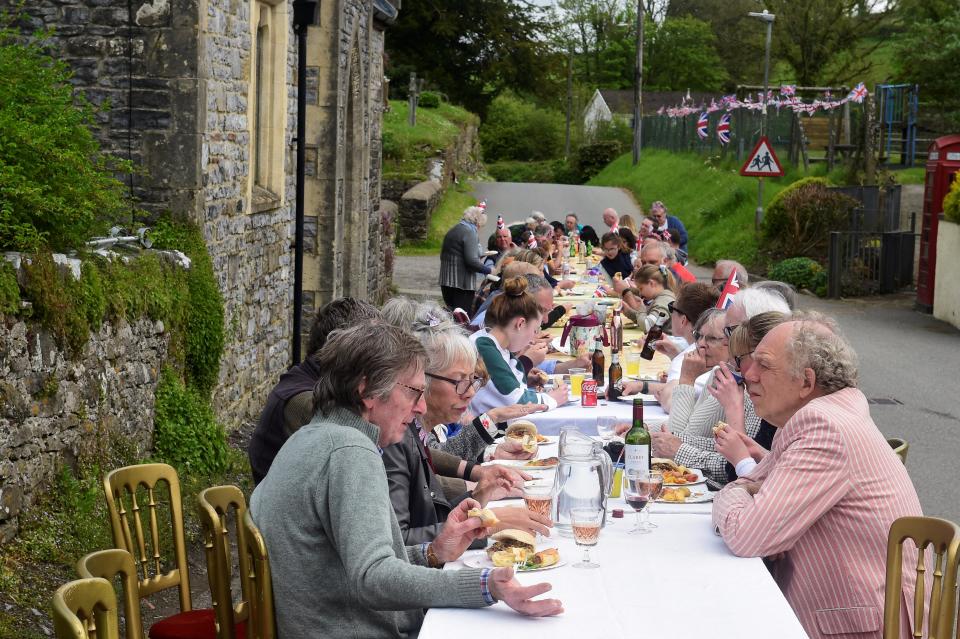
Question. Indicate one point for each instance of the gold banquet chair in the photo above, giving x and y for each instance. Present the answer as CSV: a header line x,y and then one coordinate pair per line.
x,y
110,564
218,505
262,622
138,516
900,447
944,537
85,608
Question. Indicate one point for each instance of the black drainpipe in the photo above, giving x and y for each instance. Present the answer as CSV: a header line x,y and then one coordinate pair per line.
x,y
304,14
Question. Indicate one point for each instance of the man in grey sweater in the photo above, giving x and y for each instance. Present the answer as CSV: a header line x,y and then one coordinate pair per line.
x,y
339,564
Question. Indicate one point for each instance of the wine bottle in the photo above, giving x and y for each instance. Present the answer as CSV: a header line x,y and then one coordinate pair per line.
x,y
637,442
614,376
598,363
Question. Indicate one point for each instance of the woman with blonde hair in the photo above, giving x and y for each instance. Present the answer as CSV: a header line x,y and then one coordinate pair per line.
x,y
653,292
512,323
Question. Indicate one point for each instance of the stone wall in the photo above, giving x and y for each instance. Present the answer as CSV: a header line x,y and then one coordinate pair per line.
x,y
54,409
416,207
249,245
141,60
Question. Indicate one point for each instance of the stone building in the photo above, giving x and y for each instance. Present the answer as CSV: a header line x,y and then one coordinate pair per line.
x,y
201,96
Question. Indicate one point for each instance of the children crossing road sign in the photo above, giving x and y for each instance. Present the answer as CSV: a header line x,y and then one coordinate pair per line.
x,y
762,161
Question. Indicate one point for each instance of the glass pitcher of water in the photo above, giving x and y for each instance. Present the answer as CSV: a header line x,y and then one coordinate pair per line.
x,y
583,478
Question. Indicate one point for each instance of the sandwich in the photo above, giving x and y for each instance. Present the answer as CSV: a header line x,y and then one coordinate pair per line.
x,y
544,558
663,465
510,547
537,378
526,433
487,516
720,426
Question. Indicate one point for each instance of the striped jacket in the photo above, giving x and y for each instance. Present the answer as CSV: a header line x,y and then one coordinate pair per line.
x,y
829,491
460,257
507,383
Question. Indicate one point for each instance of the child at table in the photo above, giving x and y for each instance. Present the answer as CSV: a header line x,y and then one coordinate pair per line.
x,y
616,260
655,286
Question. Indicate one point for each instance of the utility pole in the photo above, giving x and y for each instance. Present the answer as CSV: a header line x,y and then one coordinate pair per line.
x,y
566,144
412,99
638,87
767,17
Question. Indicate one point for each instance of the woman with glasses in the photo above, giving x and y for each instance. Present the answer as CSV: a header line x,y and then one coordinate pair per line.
x,y
616,259
512,324
420,498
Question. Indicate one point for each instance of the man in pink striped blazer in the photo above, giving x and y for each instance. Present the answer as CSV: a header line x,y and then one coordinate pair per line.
x,y
821,503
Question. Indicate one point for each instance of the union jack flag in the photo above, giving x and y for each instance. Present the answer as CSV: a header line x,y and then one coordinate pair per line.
x,y
531,242
731,288
788,89
858,94
702,126
482,205
500,223
723,129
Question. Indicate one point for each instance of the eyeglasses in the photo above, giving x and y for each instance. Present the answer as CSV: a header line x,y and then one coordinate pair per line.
x,y
728,330
418,391
461,385
738,359
709,339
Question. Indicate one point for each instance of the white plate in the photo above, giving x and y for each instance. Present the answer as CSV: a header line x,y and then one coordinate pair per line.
x,y
520,464
648,400
479,559
701,480
489,253
696,497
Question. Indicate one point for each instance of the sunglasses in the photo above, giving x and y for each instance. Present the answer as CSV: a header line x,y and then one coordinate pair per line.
x,y
728,330
462,386
673,308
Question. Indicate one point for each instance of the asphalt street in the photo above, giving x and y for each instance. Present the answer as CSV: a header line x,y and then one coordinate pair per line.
x,y
909,362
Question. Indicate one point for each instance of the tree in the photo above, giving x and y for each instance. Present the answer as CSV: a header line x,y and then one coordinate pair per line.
x,y
808,34
928,54
516,129
739,39
682,55
473,49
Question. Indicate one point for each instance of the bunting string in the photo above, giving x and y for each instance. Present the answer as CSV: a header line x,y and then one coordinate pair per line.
x,y
787,99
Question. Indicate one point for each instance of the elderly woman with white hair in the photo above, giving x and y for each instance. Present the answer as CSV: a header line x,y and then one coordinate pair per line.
x,y
460,260
420,499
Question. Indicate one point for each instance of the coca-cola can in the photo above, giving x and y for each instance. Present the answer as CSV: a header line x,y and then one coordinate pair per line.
x,y
588,393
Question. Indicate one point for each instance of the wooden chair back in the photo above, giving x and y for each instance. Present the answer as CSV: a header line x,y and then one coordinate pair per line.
x,y
900,447
944,539
111,564
85,609
219,506
133,494
262,620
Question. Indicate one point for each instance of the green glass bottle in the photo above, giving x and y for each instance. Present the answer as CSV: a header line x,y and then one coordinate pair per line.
x,y
636,450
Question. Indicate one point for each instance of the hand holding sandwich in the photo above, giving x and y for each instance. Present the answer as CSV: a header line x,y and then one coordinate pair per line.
x,y
508,590
458,532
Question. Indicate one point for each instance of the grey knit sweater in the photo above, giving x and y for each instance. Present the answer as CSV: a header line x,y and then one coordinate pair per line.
x,y
339,564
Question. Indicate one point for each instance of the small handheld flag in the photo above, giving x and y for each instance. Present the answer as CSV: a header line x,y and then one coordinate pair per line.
x,y
858,93
482,205
731,288
500,223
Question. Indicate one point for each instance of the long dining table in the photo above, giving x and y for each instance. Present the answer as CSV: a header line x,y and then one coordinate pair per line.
x,y
680,581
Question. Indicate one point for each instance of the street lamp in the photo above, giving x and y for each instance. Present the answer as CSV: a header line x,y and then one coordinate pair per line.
x,y
767,17
638,86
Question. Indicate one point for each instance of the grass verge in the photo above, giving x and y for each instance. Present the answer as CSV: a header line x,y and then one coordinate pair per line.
x,y
715,203
406,148
448,212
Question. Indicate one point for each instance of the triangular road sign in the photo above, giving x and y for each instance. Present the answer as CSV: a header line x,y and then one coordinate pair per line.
x,y
762,162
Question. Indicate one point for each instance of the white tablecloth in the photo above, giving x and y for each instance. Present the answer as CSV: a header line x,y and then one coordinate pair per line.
x,y
585,419
679,581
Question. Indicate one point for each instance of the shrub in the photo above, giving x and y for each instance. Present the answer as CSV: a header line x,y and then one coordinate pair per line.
x,y
56,187
185,432
951,203
9,289
545,172
429,100
802,272
516,129
799,219
593,158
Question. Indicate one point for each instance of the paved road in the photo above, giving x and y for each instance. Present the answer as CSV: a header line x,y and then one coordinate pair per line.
x,y
515,201
904,355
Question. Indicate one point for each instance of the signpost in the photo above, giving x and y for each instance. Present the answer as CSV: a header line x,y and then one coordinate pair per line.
x,y
762,162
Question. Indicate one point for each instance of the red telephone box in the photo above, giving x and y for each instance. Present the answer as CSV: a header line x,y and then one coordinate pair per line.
x,y
943,162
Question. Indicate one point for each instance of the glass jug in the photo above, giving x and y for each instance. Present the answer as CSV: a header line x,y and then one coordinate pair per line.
x,y
583,478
